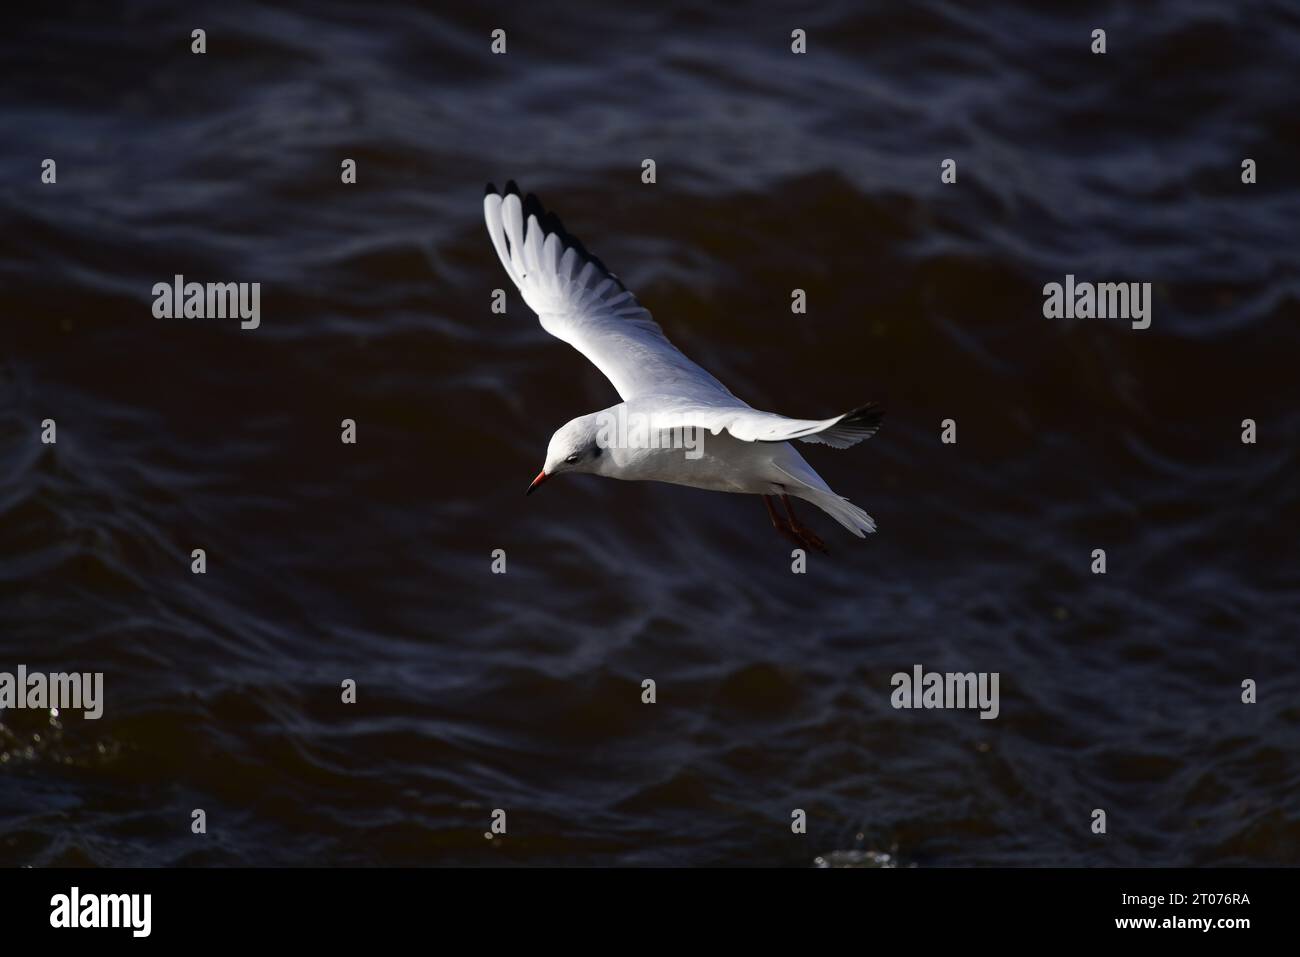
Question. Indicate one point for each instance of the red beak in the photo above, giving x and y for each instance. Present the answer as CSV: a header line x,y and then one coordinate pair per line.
x,y
541,477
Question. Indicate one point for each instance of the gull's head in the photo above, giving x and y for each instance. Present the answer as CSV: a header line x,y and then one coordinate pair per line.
x,y
573,448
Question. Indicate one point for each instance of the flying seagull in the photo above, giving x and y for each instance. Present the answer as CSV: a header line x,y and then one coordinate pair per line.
x,y
739,448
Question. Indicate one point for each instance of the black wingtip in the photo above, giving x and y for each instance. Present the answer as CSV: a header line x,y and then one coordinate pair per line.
x,y
533,207
491,190
551,223
865,417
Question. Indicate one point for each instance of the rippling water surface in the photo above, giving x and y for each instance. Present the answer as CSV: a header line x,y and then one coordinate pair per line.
x,y
523,691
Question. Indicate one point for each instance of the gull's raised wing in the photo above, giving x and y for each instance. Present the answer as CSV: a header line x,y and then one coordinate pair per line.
x,y
580,301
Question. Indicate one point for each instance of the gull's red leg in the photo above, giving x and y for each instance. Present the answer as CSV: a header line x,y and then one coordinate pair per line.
x,y
780,524
806,534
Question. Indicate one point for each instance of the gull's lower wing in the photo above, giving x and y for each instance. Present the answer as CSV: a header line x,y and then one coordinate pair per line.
x,y
753,425
581,302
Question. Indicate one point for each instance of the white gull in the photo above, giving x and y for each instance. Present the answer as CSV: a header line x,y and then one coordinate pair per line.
x,y
745,450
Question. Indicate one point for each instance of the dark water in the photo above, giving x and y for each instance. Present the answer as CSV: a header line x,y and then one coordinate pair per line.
x,y
523,691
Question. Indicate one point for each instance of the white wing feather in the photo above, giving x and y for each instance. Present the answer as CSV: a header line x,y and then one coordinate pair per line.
x,y
579,301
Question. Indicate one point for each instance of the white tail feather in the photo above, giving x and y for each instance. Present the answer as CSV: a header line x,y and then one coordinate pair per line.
x,y
841,509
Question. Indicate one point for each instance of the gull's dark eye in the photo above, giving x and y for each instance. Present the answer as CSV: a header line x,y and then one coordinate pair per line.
x,y
572,458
